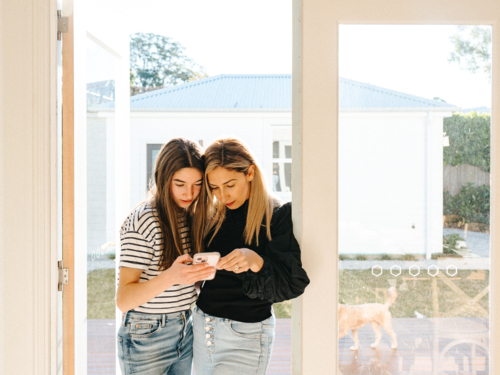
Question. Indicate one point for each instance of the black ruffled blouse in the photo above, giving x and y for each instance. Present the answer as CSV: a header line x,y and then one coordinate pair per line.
x,y
248,296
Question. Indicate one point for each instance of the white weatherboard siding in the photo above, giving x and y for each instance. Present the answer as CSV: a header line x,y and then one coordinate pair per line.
x,y
158,128
97,145
382,183
390,169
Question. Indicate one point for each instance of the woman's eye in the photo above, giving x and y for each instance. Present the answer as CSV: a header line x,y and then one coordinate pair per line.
x,y
230,186
179,185
213,188
197,184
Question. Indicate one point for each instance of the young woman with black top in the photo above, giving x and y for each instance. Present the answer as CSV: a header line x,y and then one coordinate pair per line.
x,y
156,288
260,264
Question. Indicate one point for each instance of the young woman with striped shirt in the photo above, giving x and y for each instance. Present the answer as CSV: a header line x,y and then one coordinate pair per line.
x,y
156,286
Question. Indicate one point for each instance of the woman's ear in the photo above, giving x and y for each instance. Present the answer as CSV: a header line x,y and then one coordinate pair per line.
x,y
251,173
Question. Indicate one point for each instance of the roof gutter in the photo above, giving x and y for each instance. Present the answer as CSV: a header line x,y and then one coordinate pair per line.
x,y
406,109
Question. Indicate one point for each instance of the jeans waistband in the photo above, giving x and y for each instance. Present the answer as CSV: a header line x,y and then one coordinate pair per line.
x,y
160,317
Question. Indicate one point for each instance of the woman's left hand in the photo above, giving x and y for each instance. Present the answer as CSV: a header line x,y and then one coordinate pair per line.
x,y
241,260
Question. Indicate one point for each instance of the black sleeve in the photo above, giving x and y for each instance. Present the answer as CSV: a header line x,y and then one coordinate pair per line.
x,y
282,277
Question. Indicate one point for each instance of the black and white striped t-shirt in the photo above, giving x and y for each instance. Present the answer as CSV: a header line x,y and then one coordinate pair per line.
x,y
140,240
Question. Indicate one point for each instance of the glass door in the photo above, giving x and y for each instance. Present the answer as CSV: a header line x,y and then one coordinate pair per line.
x,y
95,156
414,200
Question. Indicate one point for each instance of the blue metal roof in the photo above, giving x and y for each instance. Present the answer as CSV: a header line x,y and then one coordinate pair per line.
x,y
269,91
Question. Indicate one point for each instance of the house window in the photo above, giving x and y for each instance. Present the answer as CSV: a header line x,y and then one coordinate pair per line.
x,y
282,166
153,150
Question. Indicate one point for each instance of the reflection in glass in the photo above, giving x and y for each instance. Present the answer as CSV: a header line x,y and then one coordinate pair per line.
x,y
101,275
414,250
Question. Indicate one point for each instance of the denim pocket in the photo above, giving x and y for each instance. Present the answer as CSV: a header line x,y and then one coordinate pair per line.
x,y
246,330
144,328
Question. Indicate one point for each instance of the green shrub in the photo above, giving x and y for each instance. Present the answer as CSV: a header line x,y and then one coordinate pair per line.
x,y
447,255
408,257
283,310
450,241
469,140
360,257
472,203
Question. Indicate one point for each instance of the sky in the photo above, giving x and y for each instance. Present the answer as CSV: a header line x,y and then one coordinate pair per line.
x,y
236,37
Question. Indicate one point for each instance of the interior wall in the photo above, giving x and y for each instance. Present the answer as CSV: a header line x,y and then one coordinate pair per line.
x,y
25,194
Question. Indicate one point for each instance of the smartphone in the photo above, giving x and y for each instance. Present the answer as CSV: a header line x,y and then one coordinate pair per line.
x,y
209,258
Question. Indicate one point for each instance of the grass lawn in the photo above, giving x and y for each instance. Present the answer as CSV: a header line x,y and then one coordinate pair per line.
x,y
101,294
443,295
101,297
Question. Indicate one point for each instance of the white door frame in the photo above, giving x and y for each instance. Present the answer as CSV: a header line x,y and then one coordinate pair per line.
x,y
315,114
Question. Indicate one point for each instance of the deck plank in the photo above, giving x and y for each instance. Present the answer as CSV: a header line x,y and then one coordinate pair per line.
x,y
421,341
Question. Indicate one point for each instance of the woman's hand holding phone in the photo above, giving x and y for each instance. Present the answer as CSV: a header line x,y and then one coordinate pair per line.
x,y
182,273
241,260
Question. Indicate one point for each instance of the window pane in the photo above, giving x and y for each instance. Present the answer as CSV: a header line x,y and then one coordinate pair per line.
x,y
288,176
276,150
288,152
101,275
276,177
413,201
153,151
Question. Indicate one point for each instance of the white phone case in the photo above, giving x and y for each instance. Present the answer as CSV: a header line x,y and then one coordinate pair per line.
x,y
210,258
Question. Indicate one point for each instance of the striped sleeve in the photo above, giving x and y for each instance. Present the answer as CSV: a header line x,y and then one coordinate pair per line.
x,y
135,250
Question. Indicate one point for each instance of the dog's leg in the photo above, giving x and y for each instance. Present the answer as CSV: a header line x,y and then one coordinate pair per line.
x,y
387,326
356,339
378,334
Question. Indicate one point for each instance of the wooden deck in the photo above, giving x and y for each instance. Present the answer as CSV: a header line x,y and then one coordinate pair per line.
x,y
426,346
101,342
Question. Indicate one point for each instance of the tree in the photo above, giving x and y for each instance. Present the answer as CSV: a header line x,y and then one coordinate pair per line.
x,y
156,61
472,48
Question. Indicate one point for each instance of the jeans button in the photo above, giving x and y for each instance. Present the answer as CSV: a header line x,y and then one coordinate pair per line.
x,y
207,328
207,319
209,343
207,336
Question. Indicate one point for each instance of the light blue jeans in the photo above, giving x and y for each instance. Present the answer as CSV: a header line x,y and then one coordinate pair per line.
x,y
150,344
228,347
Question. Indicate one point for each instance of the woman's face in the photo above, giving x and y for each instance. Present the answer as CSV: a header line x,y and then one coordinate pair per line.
x,y
230,187
186,186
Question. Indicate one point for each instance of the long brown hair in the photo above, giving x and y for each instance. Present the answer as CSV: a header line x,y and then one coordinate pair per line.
x,y
232,154
178,153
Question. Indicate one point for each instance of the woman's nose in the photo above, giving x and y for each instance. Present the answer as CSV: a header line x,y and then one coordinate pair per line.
x,y
223,196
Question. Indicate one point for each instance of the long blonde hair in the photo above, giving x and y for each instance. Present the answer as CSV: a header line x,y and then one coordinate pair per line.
x,y
178,153
232,154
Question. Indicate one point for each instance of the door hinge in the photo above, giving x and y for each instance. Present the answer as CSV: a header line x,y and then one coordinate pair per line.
x,y
63,275
62,25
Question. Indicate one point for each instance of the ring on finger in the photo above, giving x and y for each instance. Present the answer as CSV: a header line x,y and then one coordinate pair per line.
x,y
236,267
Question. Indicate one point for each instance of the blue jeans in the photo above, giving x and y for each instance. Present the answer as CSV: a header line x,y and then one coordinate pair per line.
x,y
228,347
150,344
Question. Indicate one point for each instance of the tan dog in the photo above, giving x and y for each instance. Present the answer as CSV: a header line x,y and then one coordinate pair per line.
x,y
356,316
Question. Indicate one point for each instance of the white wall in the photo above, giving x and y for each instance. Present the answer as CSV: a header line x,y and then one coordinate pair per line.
x,y
97,168
156,128
383,197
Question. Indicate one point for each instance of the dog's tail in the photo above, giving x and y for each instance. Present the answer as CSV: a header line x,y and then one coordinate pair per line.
x,y
393,294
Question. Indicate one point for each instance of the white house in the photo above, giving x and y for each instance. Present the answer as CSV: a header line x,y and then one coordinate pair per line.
x,y
390,144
